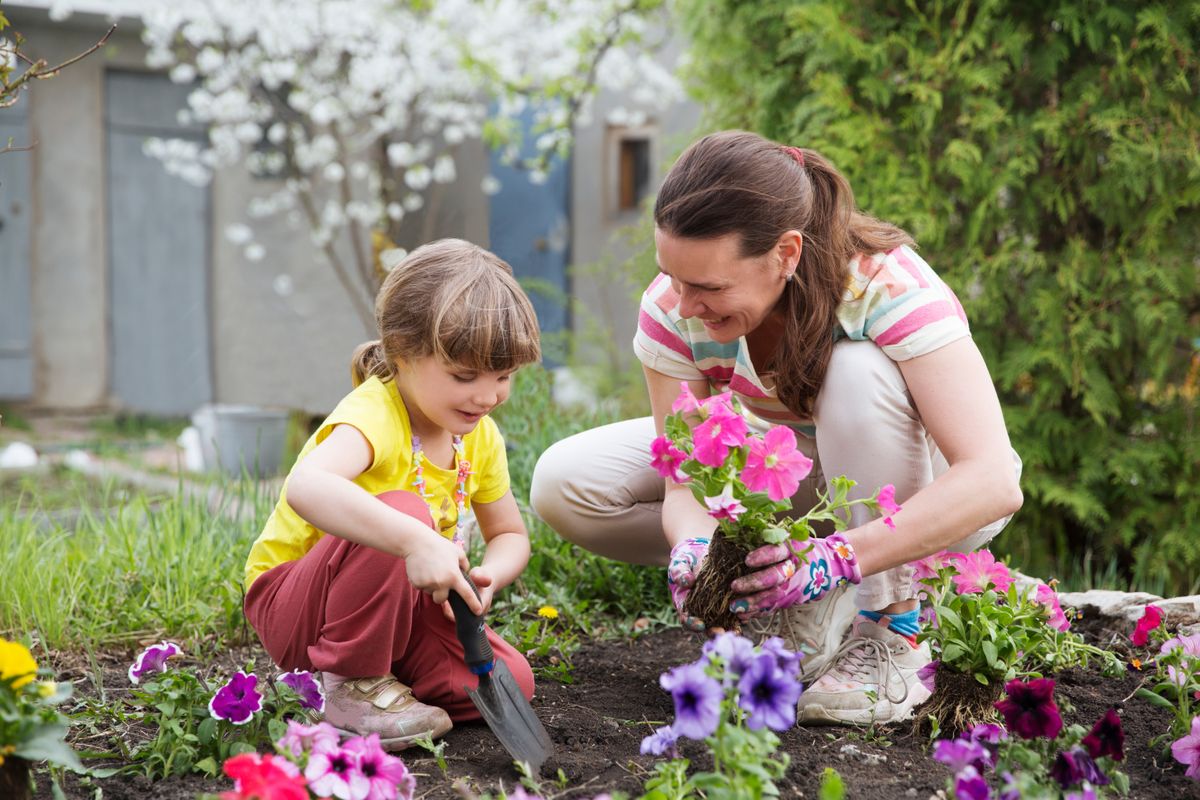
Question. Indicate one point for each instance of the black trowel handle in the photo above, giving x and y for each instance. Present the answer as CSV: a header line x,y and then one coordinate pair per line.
x,y
478,649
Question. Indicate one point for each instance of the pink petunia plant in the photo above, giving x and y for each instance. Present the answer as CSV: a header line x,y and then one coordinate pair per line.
x,y
978,571
1151,618
746,479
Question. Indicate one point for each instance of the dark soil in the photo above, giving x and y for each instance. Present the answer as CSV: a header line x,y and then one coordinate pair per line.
x,y
598,722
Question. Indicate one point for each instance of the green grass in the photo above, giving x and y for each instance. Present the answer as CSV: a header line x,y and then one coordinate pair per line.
x,y
58,489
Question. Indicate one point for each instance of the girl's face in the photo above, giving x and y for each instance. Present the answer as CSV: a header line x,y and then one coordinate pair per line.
x,y
449,396
731,294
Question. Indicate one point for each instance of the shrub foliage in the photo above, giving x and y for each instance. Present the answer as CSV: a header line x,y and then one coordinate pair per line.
x,y
1046,156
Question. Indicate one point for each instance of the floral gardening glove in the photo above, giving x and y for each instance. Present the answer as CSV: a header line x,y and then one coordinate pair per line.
x,y
793,572
681,574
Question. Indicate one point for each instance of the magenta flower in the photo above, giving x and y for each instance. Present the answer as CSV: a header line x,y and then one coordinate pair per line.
x,y
1075,766
926,569
238,700
724,506
978,570
1186,750
1151,618
697,700
1106,738
661,742
768,694
1056,619
387,776
686,403
959,754
334,772
927,675
300,738
302,682
712,439
775,465
718,404
1029,710
887,504
667,458
153,659
970,785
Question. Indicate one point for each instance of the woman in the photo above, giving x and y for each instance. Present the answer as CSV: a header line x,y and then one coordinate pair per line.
x,y
816,316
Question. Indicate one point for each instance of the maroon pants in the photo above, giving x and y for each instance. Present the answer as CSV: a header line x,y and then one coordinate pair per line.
x,y
350,609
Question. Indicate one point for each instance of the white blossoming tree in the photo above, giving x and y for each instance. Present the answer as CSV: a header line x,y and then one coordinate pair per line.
x,y
361,106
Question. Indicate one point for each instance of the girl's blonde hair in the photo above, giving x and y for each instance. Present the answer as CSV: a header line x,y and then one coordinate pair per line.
x,y
455,301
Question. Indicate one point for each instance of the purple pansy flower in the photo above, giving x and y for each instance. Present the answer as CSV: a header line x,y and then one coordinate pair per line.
x,y
986,733
153,659
697,700
927,675
302,682
768,694
238,700
1029,710
662,741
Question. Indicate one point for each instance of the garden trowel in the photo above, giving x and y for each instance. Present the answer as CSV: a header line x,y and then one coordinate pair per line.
x,y
498,697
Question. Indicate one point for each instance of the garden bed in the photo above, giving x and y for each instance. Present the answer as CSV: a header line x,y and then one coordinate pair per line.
x,y
598,722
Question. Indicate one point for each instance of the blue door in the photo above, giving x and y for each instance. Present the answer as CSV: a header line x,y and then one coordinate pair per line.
x,y
530,228
158,249
16,328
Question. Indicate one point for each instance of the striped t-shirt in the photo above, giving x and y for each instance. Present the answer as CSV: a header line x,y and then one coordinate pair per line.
x,y
894,299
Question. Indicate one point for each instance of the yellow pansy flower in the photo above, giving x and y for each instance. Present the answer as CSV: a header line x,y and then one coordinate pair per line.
x,y
16,662
548,612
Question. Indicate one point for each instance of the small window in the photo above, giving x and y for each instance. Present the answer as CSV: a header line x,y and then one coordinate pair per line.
x,y
633,172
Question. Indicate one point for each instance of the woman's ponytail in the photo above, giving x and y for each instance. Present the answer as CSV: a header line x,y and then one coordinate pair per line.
x,y
369,360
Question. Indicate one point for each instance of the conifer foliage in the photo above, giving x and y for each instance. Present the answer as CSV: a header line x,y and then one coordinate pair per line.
x,y
1046,156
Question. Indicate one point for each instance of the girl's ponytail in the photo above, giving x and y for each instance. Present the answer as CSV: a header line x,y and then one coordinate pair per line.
x,y
368,360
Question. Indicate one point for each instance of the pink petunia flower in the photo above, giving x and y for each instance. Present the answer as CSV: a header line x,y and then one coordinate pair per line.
x,y
979,569
300,738
334,772
238,700
724,506
667,458
713,438
1049,598
1186,750
718,404
1189,644
927,568
775,465
387,776
152,659
686,403
1151,618
887,504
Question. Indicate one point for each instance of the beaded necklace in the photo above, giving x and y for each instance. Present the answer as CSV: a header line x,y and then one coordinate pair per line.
x,y
462,468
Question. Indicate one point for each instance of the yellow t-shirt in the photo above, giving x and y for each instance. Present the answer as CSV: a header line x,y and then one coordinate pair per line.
x,y
376,410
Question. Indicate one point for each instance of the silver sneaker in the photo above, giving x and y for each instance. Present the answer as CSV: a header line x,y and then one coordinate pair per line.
x,y
814,629
871,679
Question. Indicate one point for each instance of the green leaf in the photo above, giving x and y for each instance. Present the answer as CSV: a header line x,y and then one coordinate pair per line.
x,y
1154,699
832,785
989,653
47,743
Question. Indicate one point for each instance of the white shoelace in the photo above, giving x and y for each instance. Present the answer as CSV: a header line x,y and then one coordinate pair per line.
x,y
859,658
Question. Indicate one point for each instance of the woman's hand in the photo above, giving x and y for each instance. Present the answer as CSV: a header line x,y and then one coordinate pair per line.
x,y
686,558
793,572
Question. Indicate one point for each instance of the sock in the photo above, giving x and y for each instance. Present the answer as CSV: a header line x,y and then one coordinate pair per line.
x,y
905,623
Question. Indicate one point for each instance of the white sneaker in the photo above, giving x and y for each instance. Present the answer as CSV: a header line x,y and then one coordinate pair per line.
x,y
872,679
814,629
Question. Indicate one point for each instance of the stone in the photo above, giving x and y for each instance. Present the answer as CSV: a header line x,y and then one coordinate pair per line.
x,y
1109,603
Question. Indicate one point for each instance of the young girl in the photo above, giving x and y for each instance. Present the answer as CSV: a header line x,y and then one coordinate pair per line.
x,y
367,605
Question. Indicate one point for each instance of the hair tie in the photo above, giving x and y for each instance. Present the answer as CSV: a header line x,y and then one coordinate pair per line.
x,y
796,153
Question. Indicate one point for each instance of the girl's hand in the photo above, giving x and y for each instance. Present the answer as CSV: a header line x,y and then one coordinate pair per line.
x,y
485,583
793,572
437,566
681,574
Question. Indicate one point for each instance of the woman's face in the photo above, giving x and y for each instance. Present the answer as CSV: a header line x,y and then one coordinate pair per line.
x,y
731,294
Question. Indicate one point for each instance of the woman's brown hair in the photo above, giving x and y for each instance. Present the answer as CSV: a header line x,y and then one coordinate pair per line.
x,y
453,300
738,182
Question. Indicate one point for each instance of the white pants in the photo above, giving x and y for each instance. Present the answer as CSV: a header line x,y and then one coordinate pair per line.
x,y
598,490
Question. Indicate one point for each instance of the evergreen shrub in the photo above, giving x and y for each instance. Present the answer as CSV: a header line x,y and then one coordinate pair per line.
x,y
1046,156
